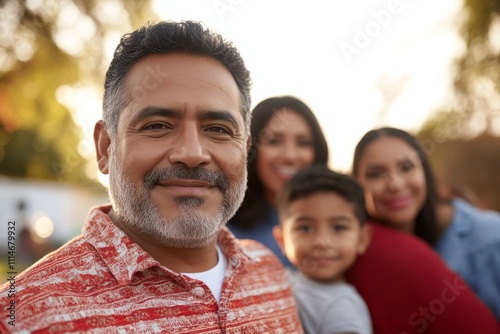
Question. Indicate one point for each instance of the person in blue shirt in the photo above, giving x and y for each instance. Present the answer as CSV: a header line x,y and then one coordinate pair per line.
x,y
401,192
286,137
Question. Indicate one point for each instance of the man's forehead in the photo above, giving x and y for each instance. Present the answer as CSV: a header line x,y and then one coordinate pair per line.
x,y
177,79
160,68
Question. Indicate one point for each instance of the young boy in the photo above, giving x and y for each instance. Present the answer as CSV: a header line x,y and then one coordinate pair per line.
x,y
321,232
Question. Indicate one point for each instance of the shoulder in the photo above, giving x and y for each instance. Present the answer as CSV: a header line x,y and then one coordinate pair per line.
x,y
329,307
251,253
75,269
73,254
325,295
258,280
393,247
391,252
464,209
481,228
397,260
347,311
63,269
393,263
258,254
348,295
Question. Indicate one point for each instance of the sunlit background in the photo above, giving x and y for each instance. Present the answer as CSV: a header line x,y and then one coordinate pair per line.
x,y
358,65
400,74
430,67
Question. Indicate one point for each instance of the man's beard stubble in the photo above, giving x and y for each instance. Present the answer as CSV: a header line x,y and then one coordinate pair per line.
x,y
192,228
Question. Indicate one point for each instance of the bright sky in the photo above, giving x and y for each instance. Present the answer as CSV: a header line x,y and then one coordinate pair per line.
x,y
334,55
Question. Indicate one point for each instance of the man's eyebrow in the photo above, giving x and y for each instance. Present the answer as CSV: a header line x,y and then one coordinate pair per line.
x,y
207,115
152,111
220,115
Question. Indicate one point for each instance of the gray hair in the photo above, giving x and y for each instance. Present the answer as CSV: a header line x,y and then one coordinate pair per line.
x,y
167,37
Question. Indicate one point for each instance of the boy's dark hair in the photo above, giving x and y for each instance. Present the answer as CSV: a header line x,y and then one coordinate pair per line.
x,y
319,178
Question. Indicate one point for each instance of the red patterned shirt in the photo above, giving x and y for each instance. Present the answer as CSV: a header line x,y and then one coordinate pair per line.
x,y
103,282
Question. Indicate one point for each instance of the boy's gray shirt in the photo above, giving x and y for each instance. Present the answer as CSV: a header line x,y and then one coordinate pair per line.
x,y
327,308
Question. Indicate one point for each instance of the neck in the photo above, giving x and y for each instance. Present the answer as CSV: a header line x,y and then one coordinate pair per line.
x,y
270,198
408,228
444,214
185,260
405,228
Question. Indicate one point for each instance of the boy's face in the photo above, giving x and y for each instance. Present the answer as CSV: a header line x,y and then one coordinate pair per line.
x,y
321,235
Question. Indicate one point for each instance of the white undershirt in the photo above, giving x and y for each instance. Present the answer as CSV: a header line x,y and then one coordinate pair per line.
x,y
213,277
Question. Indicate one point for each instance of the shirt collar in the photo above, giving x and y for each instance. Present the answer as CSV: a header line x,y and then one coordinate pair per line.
x,y
231,247
124,257
463,217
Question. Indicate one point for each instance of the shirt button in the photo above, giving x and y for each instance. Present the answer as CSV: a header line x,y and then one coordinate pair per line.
x,y
198,291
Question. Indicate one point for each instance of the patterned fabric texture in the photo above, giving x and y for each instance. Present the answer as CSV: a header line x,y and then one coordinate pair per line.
x,y
102,282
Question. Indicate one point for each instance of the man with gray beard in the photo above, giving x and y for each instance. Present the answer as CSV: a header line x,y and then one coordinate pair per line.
x,y
159,259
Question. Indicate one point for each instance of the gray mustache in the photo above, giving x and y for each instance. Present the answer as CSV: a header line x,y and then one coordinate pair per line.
x,y
184,173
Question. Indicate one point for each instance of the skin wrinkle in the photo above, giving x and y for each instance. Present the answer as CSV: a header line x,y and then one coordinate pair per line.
x,y
138,201
136,208
128,97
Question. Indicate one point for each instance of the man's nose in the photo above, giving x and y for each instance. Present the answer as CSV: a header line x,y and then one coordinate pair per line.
x,y
189,148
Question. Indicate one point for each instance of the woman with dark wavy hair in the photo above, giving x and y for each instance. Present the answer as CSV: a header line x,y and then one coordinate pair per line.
x,y
401,192
286,137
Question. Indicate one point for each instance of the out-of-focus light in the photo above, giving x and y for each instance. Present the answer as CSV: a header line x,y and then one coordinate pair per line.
x,y
43,227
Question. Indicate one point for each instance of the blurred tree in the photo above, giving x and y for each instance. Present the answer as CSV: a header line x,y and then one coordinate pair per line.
x,y
463,141
477,83
477,79
45,46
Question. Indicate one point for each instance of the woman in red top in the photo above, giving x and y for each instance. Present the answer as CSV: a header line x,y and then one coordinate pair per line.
x,y
405,283
409,289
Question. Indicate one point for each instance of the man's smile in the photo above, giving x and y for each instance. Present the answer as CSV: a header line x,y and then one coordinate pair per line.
x,y
188,188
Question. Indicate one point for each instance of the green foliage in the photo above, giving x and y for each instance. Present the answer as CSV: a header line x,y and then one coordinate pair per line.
x,y
480,14
35,128
477,77
463,147
43,47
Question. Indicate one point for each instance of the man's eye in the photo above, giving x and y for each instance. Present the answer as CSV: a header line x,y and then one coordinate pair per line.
x,y
218,129
155,126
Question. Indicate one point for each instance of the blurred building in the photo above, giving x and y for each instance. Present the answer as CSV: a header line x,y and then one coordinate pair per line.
x,y
47,214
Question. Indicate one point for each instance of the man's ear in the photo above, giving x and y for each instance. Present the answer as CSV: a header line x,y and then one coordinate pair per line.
x,y
249,142
102,145
278,236
365,238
